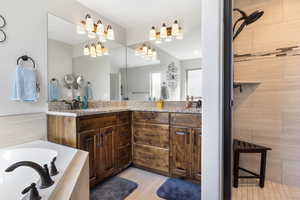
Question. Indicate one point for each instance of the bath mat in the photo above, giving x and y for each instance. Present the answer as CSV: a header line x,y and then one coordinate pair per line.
x,y
177,189
115,188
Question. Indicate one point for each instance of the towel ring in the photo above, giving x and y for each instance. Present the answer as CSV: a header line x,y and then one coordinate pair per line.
x,y
26,58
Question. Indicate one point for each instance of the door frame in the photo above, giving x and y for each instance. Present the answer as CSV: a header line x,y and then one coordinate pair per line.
x,y
227,101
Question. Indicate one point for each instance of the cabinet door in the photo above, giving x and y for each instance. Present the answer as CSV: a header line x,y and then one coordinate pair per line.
x,y
106,153
181,152
124,147
87,141
197,154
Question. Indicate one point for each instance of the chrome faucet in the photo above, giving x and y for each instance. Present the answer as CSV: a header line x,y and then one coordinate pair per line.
x,y
46,180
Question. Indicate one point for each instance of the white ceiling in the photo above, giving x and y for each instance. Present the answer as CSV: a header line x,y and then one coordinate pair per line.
x,y
135,14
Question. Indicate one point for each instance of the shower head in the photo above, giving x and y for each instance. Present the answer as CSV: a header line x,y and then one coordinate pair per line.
x,y
254,17
247,20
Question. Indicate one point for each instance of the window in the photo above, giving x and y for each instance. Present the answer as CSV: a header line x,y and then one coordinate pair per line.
x,y
155,81
194,82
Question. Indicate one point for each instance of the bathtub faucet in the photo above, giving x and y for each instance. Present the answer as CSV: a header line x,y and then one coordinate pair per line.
x,y
46,180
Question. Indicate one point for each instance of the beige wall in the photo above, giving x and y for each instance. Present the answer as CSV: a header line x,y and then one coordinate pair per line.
x,y
269,113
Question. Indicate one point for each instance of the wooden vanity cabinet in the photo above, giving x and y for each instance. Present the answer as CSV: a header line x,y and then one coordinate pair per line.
x,y
185,155
151,141
107,138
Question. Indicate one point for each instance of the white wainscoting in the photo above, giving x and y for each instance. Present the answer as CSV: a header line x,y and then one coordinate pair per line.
x,y
17,129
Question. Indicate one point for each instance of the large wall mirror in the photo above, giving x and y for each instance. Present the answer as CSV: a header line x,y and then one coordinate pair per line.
x,y
72,72
167,69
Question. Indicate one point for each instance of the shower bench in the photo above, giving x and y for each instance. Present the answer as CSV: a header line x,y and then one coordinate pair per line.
x,y
246,147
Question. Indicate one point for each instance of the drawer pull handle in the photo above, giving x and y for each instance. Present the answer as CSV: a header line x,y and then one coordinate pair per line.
x,y
181,133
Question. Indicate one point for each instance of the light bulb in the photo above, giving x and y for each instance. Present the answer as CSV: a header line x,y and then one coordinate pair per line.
x,y
105,51
180,34
102,38
92,35
93,51
99,49
175,28
100,28
110,33
145,50
81,28
163,31
89,23
152,34
154,55
86,50
150,52
137,52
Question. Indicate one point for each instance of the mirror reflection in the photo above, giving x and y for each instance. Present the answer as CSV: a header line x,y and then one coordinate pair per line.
x,y
80,66
166,66
162,66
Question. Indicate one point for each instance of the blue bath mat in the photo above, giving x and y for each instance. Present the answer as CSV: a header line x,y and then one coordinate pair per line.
x,y
177,189
116,188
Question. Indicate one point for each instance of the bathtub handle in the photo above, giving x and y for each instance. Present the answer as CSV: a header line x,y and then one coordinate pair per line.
x,y
34,193
53,169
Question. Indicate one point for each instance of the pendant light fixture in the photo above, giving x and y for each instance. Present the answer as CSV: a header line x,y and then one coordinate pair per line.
x,y
152,34
95,50
86,50
175,28
110,33
99,49
100,28
163,31
168,34
146,52
81,28
93,30
89,23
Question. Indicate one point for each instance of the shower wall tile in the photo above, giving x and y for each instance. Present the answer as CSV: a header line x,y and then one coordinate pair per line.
x,y
291,10
269,113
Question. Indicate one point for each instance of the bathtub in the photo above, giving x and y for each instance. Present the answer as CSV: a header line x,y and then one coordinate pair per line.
x,y
41,152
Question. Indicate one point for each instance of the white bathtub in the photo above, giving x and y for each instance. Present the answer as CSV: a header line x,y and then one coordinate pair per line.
x,y
41,152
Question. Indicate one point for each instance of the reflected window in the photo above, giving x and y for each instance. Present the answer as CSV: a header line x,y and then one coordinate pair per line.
x,y
193,82
155,82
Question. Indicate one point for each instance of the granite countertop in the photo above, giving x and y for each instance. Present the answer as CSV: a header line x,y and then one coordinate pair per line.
x,y
94,111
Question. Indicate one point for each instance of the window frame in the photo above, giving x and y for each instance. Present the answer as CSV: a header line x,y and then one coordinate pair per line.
x,y
187,78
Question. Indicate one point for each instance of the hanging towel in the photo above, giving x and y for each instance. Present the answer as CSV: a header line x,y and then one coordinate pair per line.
x,y
164,91
53,89
89,91
25,86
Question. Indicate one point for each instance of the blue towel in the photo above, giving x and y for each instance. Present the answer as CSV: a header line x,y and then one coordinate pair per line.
x,y
89,92
53,89
25,85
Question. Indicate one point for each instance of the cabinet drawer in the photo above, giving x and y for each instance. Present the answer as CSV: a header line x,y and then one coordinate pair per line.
x,y
186,120
151,134
97,122
151,117
123,117
151,157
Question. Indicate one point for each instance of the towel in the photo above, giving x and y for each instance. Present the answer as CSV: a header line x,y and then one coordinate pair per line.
x,y
89,92
53,89
25,87
164,92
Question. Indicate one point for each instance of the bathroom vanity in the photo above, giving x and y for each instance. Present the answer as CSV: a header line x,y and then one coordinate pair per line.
x,y
167,143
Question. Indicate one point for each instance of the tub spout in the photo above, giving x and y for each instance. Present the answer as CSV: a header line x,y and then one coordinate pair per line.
x,y
46,180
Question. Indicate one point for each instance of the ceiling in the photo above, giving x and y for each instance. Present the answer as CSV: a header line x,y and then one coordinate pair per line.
x,y
140,14
133,13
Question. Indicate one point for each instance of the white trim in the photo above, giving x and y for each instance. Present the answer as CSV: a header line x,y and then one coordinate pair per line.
x,y
212,148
